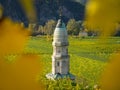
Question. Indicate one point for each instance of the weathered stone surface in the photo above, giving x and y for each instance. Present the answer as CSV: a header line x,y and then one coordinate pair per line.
x,y
60,76
60,57
60,44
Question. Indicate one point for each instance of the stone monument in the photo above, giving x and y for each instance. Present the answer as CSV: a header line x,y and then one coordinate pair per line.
x,y
60,57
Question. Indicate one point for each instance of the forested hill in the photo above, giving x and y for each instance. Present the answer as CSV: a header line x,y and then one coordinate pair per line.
x,y
46,9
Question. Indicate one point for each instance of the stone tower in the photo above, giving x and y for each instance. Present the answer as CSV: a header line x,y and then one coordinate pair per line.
x,y
60,57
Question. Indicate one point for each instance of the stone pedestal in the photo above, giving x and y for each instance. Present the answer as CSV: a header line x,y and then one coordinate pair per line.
x,y
60,76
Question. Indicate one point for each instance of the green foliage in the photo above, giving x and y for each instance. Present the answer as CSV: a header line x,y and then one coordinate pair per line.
x,y
88,58
41,29
74,27
49,27
10,58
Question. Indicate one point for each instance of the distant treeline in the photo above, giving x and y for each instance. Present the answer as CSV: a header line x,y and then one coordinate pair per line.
x,y
75,28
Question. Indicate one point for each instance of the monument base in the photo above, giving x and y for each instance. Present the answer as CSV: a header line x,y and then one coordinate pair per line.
x,y
60,76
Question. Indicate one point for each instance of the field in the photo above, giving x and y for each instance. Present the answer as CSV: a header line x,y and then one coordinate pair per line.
x,y
88,57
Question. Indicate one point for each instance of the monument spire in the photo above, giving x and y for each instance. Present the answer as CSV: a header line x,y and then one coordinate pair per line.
x,y
60,6
60,57
60,12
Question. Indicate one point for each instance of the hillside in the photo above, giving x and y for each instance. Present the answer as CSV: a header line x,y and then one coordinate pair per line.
x,y
46,9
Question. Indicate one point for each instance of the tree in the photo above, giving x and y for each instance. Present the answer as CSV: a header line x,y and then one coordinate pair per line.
x,y
49,27
74,27
41,29
33,27
71,26
77,28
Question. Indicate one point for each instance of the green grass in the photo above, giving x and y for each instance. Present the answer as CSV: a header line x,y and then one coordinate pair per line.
x,y
88,57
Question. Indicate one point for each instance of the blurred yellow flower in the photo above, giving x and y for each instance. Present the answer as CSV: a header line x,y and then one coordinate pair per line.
x,y
22,74
102,15
111,76
29,8
13,37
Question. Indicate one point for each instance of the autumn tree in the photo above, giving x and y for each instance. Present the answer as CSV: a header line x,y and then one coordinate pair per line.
x,y
70,26
74,27
33,27
41,30
49,27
